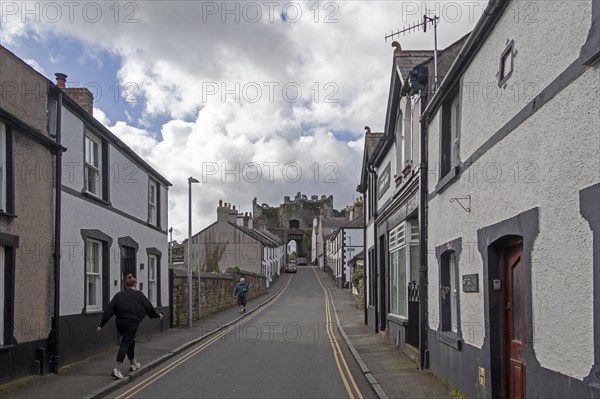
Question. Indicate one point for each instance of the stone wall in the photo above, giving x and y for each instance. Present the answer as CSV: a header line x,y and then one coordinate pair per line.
x,y
216,292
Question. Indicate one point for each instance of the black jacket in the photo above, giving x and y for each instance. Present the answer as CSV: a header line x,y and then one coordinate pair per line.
x,y
129,304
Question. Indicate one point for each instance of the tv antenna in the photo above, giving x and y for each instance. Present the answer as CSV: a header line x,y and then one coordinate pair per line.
x,y
417,27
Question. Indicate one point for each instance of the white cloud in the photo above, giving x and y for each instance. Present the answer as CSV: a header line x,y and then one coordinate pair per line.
x,y
175,53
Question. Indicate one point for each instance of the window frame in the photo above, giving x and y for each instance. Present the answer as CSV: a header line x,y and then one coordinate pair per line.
x,y
90,137
98,276
7,172
152,283
401,238
449,281
153,215
509,51
450,127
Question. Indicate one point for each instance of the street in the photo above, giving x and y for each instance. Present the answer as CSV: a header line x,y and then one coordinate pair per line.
x,y
289,348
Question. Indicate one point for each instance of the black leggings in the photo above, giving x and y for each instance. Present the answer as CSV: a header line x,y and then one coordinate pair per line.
x,y
127,328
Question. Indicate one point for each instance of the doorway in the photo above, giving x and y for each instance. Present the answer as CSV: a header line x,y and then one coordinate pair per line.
x,y
128,263
514,343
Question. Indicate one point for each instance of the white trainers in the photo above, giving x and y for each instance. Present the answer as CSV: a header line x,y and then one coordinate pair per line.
x,y
117,373
135,365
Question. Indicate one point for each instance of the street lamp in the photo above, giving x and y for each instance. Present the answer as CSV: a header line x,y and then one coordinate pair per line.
x,y
171,248
189,262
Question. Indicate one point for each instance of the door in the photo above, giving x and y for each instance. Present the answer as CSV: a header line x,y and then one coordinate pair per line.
x,y
514,325
128,263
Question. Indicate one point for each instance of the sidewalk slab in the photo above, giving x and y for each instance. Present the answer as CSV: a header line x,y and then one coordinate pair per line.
x,y
387,368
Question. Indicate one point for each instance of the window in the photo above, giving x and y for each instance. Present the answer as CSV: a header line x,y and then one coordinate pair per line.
x,y
450,136
400,143
152,203
506,63
404,264
93,274
3,153
93,165
2,294
152,262
449,291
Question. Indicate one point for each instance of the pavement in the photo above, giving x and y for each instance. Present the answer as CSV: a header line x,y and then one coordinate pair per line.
x,y
390,372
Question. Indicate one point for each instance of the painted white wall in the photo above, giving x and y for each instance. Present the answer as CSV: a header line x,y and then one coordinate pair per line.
x,y
128,183
79,214
548,37
544,163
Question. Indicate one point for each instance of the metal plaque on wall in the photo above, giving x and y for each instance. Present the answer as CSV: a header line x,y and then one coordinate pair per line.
x,y
470,282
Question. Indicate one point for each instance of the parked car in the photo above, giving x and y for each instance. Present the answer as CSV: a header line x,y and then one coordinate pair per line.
x,y
290,268
301,261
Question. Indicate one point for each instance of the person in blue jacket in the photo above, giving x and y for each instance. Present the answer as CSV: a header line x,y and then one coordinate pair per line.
x,y
129,306
241,289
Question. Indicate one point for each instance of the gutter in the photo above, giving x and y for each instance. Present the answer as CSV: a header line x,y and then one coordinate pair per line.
x,y
55,359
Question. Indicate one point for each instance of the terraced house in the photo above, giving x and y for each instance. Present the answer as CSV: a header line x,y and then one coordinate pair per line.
x,y
27,209
106,230
514,206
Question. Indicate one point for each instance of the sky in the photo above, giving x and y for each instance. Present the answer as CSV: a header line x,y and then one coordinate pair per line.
x,y
254,99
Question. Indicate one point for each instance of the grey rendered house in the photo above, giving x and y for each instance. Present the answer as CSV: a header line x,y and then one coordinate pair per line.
x,y
113,222
514,206
27,209
232,242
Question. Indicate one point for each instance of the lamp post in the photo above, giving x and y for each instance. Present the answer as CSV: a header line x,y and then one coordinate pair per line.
x,y
171,248
189,262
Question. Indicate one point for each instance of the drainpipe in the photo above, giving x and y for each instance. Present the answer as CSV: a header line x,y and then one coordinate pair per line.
x,y
373,204
423,191
366,256
55,359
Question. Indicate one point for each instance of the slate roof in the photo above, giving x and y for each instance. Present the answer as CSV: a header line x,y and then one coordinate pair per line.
x,y
408,59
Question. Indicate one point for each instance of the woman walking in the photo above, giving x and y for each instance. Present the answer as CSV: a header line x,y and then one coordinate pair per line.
x,y
129,307
241,289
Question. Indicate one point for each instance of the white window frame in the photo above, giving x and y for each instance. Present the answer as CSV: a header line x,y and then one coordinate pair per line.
x,y
95,274
400,144
453,292
92,165
152,270
152,203
403,237
3,157
454,131
449,291
2,293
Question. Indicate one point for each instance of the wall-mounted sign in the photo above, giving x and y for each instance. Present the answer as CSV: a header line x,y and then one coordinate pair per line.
x,y
384,181
470,282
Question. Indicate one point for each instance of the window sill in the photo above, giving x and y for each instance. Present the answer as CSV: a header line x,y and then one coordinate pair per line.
x,y
8,215
403,321
4,348
92,312
95,197
451,339
447,179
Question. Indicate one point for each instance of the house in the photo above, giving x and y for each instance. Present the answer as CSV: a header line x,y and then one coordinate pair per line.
x,y
232,242
513,207
390,181
345,243
27,209
106,231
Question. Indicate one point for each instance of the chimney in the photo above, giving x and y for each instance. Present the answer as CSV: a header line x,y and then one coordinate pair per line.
x,y
81,95
222,212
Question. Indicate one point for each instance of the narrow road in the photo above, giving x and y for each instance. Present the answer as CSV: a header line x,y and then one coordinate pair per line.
x,y
288,349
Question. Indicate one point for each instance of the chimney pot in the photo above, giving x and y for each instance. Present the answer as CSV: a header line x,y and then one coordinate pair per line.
x,y
220,203
61,79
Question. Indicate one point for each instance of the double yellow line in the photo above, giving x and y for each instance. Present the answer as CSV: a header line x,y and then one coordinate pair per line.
x,y
150,380
337,352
